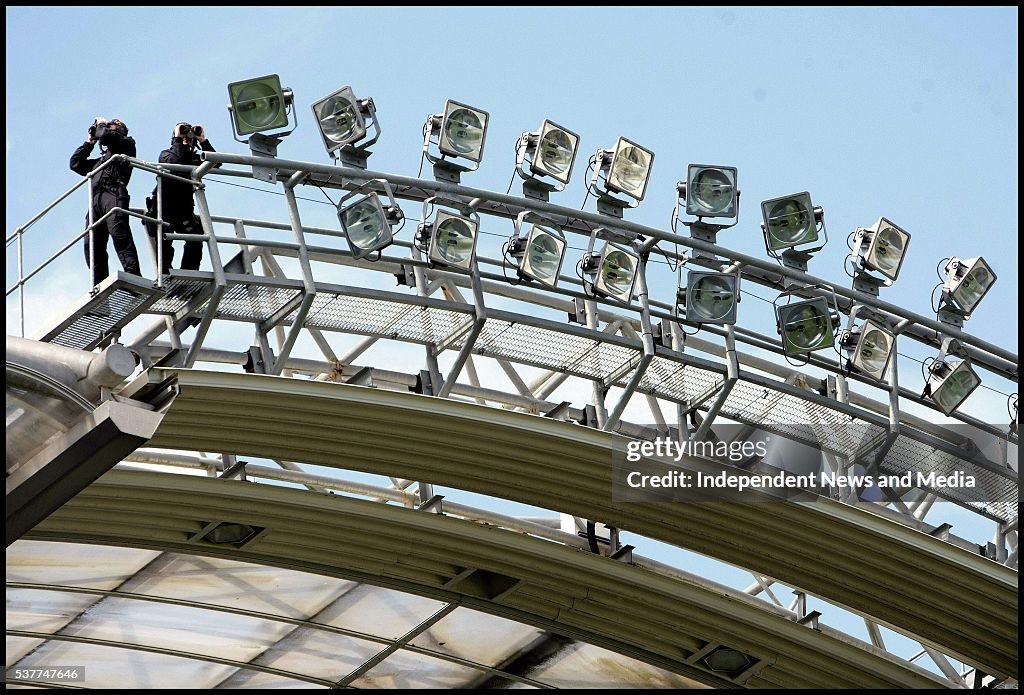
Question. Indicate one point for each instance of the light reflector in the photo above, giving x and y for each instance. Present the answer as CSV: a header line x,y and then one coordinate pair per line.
x,y
950,382
711,191
630,169
616,273
365,225
968,281
453,240
711,297
887,246
542,258
789,221
258,104
556,152
806,326
463,131
873,350
340,119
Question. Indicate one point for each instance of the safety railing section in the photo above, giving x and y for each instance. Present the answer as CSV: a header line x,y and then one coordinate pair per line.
x,y
620,354
18,236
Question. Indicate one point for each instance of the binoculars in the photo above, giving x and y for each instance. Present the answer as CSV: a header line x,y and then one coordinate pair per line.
x,y
184,130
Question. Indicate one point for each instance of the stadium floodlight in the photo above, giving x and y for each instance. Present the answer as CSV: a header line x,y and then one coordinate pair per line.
x,y
450,239
540,251
458,132
870,347
259,104
949,382
712,297
367,222
344,122
789,222
614,272
626,170
550,152
806,326
966,284
710,191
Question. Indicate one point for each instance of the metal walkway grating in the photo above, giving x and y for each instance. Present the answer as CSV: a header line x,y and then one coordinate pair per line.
x,y
119,299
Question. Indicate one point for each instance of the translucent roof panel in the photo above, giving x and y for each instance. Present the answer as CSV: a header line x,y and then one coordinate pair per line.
x,y
238,585
479,637
116,667
380,612
587,666
319,654
74,564
405,669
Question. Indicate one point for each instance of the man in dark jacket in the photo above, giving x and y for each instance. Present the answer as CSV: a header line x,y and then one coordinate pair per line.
x,y
178,203
109,191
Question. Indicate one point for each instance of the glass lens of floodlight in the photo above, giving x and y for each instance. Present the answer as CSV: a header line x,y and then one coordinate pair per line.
x,y
973,287
712,191
712,298
340,120
544,256
464,132
956,387
455,237
617,272
629,170
555,153
365,224
807,328
790,222
887,251
258,105
873,351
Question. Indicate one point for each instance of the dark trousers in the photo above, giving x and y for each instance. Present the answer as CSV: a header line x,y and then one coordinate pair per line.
x,y
114,227
186,222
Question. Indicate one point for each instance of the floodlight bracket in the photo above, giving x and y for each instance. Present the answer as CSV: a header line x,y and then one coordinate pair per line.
x,y
949,315
264,146
615,236
868,284
448,172
611,206
352,156
539,190
791,258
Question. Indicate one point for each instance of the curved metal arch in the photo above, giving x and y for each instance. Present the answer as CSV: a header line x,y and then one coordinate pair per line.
x,y
913,582
660,620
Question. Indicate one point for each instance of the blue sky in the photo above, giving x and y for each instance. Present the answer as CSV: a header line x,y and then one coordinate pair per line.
x,y
905,113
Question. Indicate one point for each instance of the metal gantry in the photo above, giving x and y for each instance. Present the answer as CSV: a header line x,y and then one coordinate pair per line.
x,y
611,345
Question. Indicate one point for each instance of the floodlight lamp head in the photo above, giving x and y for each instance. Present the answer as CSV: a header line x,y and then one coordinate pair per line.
x,y
625,169
539,250
259,105
710,191
950,382
450,240
870,348
614,272
792,227
368,222
712,297
882,248
807,326
548,153
459,132
345,122
966,284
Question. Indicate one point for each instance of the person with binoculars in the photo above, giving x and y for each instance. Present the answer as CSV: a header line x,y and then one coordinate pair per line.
x,y
109,191
178,205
